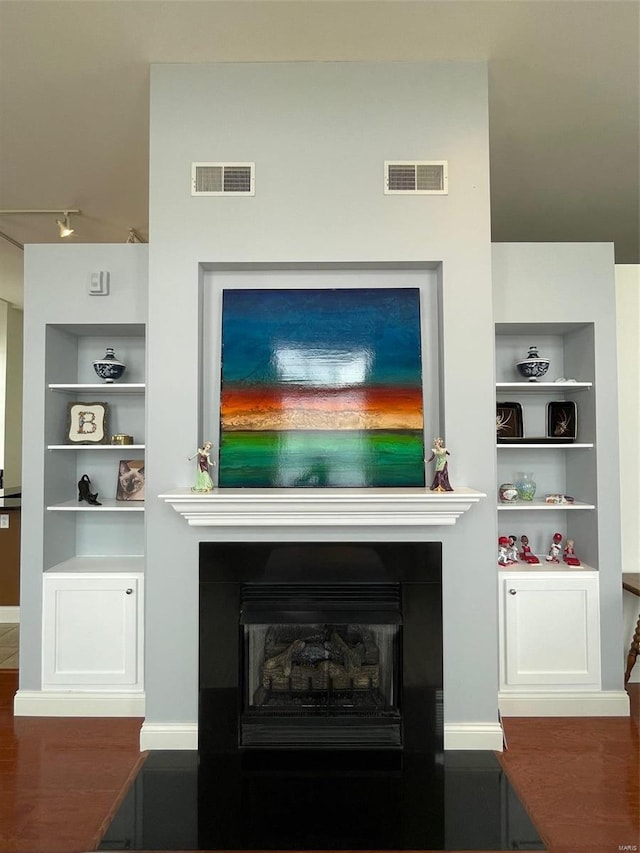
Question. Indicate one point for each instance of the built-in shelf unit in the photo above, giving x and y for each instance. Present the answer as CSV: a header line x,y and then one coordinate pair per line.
x,y
562,468
75,529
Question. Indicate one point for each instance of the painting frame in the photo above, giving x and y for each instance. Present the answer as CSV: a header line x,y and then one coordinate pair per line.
x,y
311,379
87,422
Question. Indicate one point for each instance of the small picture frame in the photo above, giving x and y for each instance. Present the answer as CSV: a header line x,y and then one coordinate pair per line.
x,y
87,423
130,485
562,420
509,423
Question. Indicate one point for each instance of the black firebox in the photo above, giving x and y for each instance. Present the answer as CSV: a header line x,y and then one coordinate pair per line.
x,y
320,645
320,665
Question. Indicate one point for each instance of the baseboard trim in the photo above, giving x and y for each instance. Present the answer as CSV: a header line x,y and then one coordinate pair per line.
x,y
50,703
9,613
486,736
168,736
456,736
601,703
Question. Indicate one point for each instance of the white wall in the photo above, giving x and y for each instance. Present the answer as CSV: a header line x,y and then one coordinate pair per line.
x,y
13,400
4,315
628,314
319,134
628,327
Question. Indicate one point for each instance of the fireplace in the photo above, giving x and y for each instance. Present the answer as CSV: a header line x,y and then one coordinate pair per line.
x,y
320,711
320,645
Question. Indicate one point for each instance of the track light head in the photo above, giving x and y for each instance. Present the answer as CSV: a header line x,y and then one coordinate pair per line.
x,y
65,225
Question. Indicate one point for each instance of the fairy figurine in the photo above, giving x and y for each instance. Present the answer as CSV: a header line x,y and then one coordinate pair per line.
x,y
441,474
203,483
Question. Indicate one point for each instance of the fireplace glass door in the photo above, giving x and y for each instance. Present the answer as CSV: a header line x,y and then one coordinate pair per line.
x,y
323,671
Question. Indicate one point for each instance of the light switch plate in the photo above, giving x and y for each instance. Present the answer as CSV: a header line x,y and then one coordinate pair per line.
x,y
4,521
99,283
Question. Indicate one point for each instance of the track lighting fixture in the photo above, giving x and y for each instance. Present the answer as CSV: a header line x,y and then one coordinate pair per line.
x,y
134,237
63,224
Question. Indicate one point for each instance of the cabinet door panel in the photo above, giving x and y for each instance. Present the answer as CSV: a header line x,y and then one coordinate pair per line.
x,y
552,634
90,631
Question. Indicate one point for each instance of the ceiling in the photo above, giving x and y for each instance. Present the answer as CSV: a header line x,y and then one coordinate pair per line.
x,y
564,98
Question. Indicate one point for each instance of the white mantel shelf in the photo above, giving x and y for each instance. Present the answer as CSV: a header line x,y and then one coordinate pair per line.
x,y
266,508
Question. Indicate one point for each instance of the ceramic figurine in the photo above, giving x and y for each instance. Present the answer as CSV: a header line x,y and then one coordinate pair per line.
x,y
204,483
441,475
512,550
554,550
503,552
526,554
85,493
568,555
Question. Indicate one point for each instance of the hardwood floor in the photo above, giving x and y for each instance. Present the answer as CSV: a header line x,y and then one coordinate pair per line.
x,y
579,778
61,779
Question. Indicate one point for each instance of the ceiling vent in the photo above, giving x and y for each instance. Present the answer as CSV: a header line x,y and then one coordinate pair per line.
x,y
416,177
223,178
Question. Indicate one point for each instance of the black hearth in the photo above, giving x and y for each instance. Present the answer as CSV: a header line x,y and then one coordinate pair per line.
x,y
320,645
336,745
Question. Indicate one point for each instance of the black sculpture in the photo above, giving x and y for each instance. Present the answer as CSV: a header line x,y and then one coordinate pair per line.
x,y
84,491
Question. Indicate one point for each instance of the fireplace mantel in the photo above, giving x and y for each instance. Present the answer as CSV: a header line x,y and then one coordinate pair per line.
x,y
268,508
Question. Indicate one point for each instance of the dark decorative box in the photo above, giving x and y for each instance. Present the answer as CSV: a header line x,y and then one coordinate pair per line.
x,y
509,423
562,420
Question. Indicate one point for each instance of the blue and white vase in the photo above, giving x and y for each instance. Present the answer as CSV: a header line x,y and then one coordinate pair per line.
x,y
534,366
109,368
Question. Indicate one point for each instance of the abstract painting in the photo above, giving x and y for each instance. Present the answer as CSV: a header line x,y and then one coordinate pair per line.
x,y
321,388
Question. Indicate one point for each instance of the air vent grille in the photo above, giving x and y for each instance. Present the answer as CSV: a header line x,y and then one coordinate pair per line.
x,y
223,179
424,177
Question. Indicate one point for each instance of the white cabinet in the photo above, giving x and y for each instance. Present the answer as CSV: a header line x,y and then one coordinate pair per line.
x,y
92,628
549,630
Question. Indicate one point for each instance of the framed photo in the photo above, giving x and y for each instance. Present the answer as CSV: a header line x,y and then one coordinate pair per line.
x,y
87,423
509,424
130,486
562,420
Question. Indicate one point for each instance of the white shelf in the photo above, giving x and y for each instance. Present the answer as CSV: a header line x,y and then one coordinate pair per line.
x,y
93,447
266,509
542,506
544,446
542,387
99,387
544,567
114,564
108,505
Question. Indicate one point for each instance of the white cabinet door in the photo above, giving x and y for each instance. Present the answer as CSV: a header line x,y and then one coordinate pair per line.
x,y
551,632
92,631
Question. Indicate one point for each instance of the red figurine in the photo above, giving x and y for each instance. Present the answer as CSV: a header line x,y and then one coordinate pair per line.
x,y
512,550
527,555
554,550
503,552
